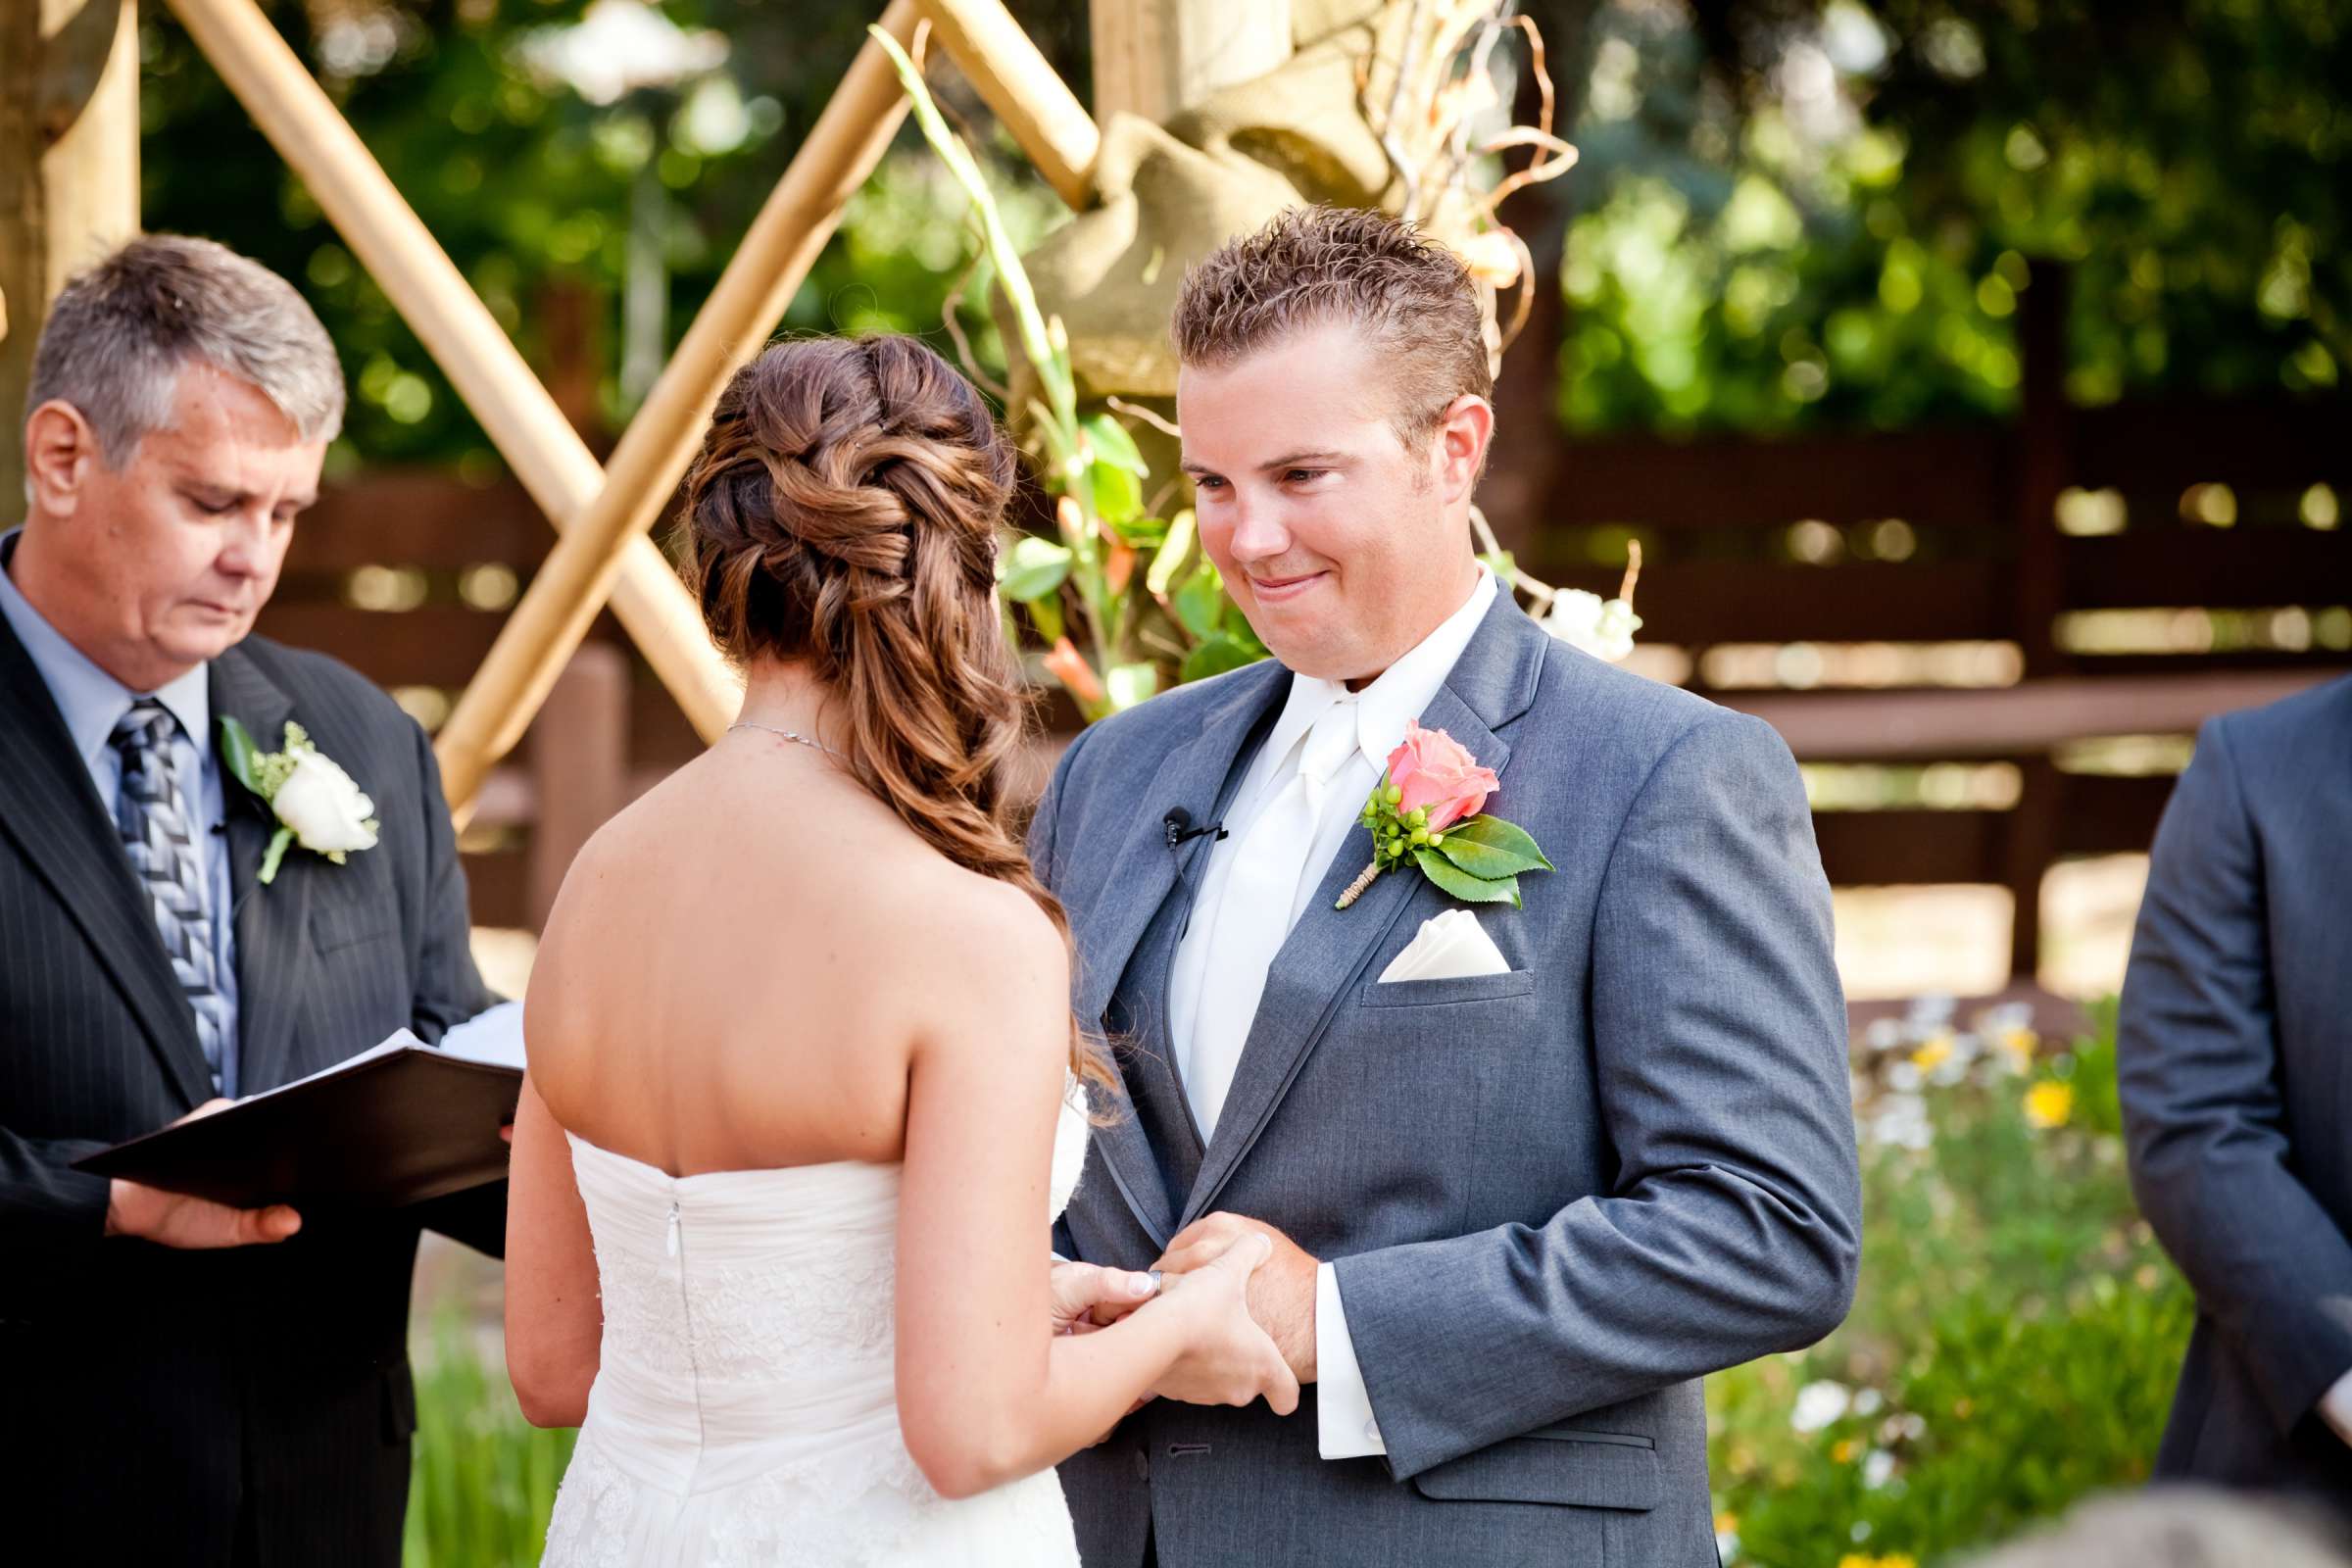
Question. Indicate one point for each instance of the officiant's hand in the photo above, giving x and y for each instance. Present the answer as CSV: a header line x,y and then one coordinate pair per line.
x,y
176,1219
1282,1292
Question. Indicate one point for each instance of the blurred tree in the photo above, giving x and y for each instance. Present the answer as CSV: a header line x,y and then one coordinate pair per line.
x,y
1790,211
531,188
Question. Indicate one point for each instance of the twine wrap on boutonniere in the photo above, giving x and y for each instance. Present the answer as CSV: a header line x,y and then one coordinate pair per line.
x,y
318,805
1426,812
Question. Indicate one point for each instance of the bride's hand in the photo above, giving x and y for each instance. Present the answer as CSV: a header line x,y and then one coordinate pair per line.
x,y
1227,1358
1084,1298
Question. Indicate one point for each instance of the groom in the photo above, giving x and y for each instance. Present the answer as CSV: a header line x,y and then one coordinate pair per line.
x,y
1520,1207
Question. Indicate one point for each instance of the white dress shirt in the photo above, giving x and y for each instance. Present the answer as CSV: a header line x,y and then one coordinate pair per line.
x,y
1200,1027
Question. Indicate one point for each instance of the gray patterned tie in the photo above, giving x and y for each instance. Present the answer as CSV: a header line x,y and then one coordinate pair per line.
x,y
156,814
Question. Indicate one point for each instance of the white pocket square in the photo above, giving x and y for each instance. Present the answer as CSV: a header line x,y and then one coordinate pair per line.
x,y
1451,945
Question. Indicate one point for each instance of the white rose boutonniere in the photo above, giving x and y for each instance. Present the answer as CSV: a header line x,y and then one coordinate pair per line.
x,y
318,805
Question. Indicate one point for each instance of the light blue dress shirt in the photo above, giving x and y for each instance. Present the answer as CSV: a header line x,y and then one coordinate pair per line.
x,y
93,702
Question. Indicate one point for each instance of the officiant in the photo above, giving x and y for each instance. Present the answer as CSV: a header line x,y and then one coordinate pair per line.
x,y
182,1381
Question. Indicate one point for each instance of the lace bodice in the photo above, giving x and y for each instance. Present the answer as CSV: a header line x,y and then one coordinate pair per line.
x,y
744,1407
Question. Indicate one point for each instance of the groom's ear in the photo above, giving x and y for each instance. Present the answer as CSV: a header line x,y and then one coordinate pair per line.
x,y
1457,447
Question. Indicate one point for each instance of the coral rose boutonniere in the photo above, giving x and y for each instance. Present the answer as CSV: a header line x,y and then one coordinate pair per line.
x,y
318,805
1428,813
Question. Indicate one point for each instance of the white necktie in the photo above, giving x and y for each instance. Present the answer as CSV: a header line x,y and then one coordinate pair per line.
x,y
1253,916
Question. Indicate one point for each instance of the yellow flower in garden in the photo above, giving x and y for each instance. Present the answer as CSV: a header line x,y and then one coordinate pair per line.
x,y
1726,1523
2018,1046
1933,1053
1844,1452
2048,1105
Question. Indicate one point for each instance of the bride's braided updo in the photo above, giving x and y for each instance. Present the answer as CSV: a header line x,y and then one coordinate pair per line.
x,y
842,515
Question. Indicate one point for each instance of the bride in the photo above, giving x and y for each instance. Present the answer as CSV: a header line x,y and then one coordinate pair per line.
x,y
804,1090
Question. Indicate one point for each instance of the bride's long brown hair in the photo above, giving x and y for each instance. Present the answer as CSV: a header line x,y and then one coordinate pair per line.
x,y
842,515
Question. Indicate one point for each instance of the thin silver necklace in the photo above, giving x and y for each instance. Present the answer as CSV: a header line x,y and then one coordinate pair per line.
x,y
748,724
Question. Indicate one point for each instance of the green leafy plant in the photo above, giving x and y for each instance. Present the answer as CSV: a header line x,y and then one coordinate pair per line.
x,y
482,1481
2017,1334
1122,600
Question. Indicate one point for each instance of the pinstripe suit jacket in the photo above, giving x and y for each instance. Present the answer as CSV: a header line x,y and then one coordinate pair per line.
x,y
164,1406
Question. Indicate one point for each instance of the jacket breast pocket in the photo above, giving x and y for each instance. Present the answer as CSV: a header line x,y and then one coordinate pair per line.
x,y
335,926
1446,993
1570,1466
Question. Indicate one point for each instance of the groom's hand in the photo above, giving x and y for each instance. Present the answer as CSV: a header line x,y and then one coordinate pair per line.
x,y
1282,1292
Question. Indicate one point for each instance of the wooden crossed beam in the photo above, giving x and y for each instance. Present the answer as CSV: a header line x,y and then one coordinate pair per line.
x,y
601,515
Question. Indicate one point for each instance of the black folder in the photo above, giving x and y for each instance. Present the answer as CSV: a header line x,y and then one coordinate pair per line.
x,y
393,1126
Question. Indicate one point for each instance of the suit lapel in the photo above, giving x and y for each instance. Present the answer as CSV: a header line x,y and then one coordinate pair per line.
x,y
51,811
272,922
1327,951
1198,776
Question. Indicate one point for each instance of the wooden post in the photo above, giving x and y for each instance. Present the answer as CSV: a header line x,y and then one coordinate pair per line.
x,y
69,174
547,455
1157,58
843,147
580,767
1046,119
2043,447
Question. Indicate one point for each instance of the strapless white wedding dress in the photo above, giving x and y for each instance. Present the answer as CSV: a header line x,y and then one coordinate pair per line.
x,y
744,1412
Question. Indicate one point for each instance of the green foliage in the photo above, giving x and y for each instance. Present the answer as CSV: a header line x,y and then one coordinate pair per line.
x,y
1796,215
530,190
1134,630
2017,1334
483,1480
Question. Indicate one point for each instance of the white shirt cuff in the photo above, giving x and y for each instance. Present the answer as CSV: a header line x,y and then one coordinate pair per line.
x,y
2335,1406
1343,1425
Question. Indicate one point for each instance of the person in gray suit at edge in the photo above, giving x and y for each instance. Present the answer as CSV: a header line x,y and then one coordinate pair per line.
x,y
2231,1056
1601,1146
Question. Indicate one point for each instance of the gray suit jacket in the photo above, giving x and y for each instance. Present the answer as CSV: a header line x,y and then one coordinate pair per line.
x,y
1555,1197
2235,1052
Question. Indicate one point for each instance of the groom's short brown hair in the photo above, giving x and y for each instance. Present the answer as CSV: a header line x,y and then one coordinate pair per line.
x,y
1316,265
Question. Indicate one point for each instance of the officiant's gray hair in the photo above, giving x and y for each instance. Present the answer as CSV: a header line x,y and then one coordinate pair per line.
x,y
119,333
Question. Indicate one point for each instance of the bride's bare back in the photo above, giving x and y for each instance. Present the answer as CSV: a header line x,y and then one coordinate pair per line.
x,y
771,961
739,965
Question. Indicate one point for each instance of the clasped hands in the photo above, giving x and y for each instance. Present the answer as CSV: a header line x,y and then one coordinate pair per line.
x,y
1281,1290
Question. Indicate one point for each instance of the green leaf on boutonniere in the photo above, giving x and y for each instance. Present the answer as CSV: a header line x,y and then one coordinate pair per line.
x,y
1458,883
1490,848
276,851
237,753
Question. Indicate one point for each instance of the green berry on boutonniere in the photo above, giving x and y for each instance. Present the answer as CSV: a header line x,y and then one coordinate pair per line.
x,y
1441,833
318,805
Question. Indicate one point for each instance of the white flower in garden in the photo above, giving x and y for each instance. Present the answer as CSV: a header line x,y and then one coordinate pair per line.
x,y
1818,1404
1878,1468
1592,625
329,812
